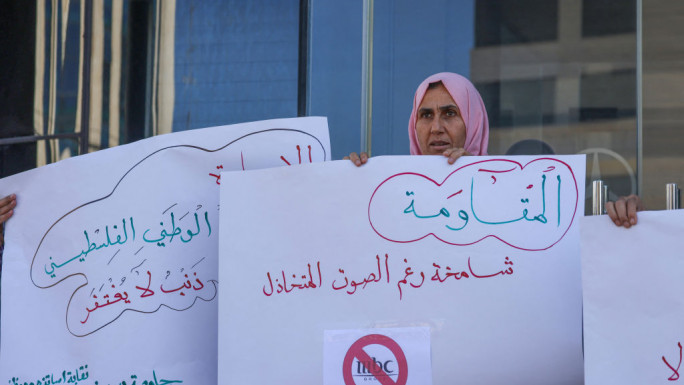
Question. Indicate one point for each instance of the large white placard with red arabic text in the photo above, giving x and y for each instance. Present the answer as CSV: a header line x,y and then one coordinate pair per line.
x,y
483,253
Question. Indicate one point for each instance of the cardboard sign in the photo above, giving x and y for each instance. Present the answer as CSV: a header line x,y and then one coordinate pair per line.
x,y
110,270
484,253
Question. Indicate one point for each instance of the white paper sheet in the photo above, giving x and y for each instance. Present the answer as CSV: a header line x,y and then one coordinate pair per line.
x,y
402,242
377,355
633,302
110,270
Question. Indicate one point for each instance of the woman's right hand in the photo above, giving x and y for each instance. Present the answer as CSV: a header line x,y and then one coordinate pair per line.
x,y
454,153
357,159
7,205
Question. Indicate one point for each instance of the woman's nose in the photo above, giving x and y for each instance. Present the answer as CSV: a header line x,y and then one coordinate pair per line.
x,y
436,126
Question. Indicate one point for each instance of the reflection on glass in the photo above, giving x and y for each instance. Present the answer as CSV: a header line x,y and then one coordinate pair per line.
x,y
562,80
663,101
15,158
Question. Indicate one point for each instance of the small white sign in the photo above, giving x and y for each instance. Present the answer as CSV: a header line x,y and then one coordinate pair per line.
x,y
397,356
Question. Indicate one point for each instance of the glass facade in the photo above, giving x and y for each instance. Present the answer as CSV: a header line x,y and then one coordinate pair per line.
x,y
235,61
562,82
596,77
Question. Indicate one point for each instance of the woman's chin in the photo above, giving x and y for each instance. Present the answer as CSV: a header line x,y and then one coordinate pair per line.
x,y
436,150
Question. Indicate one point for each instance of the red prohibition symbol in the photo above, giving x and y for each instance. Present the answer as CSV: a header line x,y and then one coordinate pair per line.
x,y
377,369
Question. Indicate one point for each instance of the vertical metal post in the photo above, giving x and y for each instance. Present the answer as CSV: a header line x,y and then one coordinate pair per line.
x,y
598,198
671,196
303,60
87,49
605,197
639,95
367,77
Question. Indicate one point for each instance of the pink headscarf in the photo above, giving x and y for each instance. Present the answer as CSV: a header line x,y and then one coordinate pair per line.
x,y
468,101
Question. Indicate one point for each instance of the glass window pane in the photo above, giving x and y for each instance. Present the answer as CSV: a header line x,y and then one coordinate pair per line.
x,y
620,13
514,22
412,42
235,61
663,99
609,95
335,71
576,94
17,35
19,157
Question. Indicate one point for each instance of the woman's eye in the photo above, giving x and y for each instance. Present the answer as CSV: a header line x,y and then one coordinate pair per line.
x,y
451,113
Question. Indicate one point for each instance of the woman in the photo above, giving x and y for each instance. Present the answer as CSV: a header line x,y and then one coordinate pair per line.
x,y
449,118
443,106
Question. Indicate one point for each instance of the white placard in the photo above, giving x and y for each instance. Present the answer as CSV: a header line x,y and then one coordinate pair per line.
x,y
110,270
633,302
484,253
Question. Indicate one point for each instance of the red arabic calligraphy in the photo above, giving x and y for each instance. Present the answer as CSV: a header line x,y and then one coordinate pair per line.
x,y
299,155
675,374
283,282
123,297
282,286
218,176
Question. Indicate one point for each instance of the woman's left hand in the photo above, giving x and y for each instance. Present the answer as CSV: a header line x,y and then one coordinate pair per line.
x,y
454,153
623,212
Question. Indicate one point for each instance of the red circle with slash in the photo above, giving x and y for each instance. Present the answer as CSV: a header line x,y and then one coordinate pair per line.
x,y
356,351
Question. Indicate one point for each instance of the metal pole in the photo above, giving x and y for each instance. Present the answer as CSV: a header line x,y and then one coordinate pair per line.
x,y
367,77
639,96
672,196
35,138
605,197
598,198
87,49
303,63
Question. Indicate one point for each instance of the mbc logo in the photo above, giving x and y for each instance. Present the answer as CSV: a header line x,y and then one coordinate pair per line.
x,y
369,368
374,367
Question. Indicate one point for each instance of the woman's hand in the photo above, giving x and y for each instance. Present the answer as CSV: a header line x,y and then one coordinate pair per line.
x,y
454,153
7,205
623,212
357,159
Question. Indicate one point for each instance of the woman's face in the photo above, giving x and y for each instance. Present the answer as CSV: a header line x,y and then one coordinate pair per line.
x,y
439,125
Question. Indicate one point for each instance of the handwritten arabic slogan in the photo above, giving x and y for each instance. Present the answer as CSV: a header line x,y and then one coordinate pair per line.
x,y
337,247
633,303
527,198
128,257
81,375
